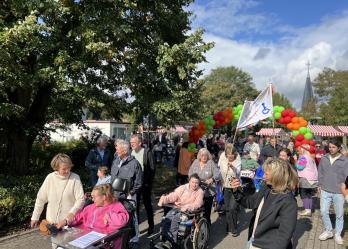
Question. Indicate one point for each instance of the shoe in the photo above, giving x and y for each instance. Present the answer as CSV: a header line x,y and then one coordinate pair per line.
x,y
150,231
338,239
326,235
167,245
159,245
235,234
306,212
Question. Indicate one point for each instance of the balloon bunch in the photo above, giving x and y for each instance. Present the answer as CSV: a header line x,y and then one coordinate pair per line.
x,y
298,125
204,126
237,111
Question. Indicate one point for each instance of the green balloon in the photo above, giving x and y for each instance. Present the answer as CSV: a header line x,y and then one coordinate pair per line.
x,y
295,133
240,107
308,130
277,115
303,130
308,136
281,108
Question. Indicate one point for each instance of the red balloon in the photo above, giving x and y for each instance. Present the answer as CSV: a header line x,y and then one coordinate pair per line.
x,y
311,142
285,113
281,120
287,120
305,141
298,144
292,114
312,149
300,137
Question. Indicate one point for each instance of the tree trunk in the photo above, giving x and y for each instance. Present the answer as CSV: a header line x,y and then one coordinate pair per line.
x,y
14,152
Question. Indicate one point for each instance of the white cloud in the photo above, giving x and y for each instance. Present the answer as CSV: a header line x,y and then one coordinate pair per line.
x,y
284,62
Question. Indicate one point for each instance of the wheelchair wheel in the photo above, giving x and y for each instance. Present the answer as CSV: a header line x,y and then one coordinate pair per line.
x,y
201,235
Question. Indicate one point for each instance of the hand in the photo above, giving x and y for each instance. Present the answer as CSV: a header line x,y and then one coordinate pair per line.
x,y
34,223
235,183
70,217
209,181
319,190
106,219
61,224
183,209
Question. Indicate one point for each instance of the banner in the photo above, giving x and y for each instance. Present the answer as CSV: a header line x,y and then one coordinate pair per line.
x,y
259,109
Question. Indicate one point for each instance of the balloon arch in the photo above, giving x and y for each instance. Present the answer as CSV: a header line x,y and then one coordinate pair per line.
x,y
287,117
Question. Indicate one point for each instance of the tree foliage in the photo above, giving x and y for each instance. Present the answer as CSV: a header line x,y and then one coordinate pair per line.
x,y
226,86
281,100
332,89
58,57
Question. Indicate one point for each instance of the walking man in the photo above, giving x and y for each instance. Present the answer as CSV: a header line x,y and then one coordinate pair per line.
x,y
145,158
332,172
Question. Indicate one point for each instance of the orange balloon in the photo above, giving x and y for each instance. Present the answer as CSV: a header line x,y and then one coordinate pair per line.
x,y
290,126
295,126
295,120
300,119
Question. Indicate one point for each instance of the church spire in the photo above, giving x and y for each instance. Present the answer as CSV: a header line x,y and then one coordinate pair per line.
x,y
308,95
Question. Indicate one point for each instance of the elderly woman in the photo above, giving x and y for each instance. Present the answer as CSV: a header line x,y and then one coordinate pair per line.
x,y
207,171
105,215
230,169
62,191
308,174
275,207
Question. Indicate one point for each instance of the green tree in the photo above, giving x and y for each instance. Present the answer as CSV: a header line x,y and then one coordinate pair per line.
x,y
58,57
280,99
226,87
332,89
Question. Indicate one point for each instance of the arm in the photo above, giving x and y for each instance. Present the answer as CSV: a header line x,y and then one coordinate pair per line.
x,y
288,219
41,200
320,173
171,197
89,163
152,166
117,217
138,181
79,197
191,170
216,173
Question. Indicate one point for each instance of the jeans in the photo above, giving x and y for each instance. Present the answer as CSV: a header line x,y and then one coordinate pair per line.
x,y
170,225
325,202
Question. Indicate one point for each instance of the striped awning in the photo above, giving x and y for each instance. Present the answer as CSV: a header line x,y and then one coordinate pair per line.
x,y
325,131
343,129
270,132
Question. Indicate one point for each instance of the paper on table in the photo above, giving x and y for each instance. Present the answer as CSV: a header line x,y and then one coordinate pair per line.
x,y
87,239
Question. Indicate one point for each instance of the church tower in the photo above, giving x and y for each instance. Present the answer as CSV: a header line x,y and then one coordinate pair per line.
x,y
308,95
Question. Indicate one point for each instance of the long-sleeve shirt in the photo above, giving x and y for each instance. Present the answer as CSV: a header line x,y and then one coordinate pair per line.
x,y
227,173
63,195
331,176
209,170
184,197
310,171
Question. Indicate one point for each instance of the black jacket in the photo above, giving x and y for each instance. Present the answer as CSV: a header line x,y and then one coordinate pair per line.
x,y
94,160
129,170
277,221
269,151
149,168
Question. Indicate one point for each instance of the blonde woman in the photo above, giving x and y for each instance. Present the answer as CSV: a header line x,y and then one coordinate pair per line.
x,y
62,191
230,169
275,207
207,171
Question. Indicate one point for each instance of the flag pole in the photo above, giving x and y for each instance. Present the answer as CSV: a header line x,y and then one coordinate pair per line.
x,y
273,121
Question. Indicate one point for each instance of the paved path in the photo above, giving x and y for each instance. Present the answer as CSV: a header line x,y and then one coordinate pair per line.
x,y
305,237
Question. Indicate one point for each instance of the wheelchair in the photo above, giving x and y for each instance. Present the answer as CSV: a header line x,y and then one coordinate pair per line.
x,y
63,238
193,230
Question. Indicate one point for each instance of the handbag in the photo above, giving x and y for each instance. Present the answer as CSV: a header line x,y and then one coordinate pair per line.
x,y
43,227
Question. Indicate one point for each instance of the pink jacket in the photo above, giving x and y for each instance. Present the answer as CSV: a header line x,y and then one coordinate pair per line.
x,y
92,217
309,171
183,197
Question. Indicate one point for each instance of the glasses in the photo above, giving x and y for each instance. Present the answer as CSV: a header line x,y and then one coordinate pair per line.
x,y
317,146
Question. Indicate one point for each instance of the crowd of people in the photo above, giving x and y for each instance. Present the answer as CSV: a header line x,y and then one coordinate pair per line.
x,y
279,171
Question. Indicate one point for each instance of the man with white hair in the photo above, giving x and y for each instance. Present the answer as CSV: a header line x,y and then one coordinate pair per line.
x,y
127,167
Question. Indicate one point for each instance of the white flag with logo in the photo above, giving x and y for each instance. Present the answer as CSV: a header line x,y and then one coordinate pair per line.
x,y
259,109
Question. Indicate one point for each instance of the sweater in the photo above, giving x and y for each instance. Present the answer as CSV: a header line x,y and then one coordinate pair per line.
x,y
309,171
184,197
63,195
227,173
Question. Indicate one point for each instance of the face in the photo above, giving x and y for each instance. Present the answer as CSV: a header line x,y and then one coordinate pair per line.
x,y
102,145
135,144
121,152
100,173
204,158
273,142
267,176
230,157
333,149
194,183
251,139
64,169
98,198
283,155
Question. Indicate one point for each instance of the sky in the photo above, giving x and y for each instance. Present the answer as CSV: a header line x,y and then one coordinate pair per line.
x,y
273,40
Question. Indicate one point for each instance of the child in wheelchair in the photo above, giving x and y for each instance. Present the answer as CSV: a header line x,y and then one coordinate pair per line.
x,y
186,198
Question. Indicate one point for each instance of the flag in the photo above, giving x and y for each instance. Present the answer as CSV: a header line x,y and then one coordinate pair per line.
x,y
259,109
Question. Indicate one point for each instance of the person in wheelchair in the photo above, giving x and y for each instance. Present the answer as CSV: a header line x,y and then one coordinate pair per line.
x,y
105,215
186,198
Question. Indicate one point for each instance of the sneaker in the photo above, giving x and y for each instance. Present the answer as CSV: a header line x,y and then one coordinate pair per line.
x,y
306,212
326,235
338,239
167,245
